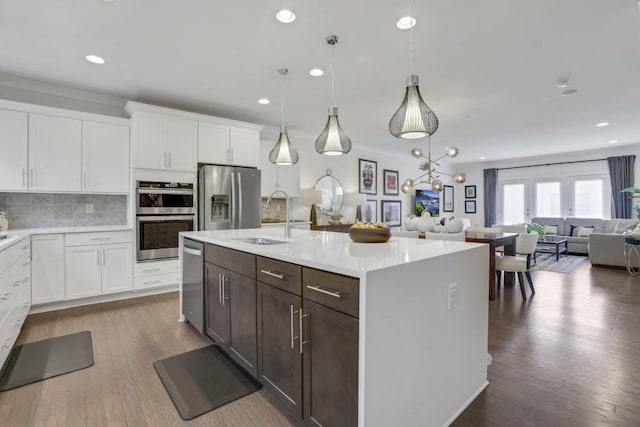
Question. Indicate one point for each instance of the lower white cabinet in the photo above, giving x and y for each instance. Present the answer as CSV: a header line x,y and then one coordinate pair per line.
x,y
157,274
98,269
47,268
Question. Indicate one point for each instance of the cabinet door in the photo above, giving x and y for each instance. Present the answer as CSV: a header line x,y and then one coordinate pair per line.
x,y
217,316
47,268
279,357
105,158
242,314
330,366
83,271
150,141
213,143
13,146
117,268
182,144
245,146
55,153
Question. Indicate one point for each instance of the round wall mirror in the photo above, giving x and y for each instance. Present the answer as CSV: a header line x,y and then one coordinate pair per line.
x,y
332,195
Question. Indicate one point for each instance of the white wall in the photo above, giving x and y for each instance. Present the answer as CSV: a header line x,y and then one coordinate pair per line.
x,y
474,172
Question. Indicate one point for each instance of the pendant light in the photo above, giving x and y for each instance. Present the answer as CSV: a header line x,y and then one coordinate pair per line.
x,y
283,154
333,141
414,119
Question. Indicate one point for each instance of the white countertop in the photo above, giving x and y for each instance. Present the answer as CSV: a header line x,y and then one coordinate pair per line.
x,y
17,234
330,251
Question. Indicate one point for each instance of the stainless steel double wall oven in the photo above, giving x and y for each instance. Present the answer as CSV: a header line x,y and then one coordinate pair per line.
x,y
163,209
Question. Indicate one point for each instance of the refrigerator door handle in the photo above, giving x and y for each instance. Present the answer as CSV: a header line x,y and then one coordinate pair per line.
x,y
239,199
234,194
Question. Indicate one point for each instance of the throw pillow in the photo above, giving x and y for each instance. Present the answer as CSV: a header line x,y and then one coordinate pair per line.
x,y
439,228
573,230
411,224
585,231
621,229
425,223
454,225
550,229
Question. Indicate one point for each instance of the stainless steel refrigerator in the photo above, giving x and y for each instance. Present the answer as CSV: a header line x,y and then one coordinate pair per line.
x,y
228,197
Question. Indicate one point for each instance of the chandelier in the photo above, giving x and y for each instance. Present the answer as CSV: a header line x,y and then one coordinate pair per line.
x,y
431,174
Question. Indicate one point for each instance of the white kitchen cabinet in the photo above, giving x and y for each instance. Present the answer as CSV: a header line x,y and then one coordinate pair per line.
x,y
98,263
83,271
47,268
105,158
285,177
13,150
156,274
164,142
55,160
213,143
228,145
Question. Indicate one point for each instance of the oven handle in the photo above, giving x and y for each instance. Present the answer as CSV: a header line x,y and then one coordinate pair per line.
x,y
163,191
154,218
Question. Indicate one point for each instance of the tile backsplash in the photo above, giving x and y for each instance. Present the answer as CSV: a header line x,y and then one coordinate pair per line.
x,y
37,210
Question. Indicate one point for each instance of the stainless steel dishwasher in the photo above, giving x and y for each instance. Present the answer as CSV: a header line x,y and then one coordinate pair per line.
x,y
193,283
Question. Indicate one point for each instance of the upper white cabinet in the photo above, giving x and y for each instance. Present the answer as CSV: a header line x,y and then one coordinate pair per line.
x,y
228,145
284,177
164,142
52,150
105,158
55,156
14,127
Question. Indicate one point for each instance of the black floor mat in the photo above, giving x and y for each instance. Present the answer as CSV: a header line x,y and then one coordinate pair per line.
x,y
48,358
201,380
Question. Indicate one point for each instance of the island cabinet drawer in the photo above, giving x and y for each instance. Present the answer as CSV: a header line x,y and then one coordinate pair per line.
x,y
280,274
339,292
240,262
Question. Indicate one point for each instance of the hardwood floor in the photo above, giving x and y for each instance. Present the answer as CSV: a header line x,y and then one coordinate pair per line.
x,y
568,356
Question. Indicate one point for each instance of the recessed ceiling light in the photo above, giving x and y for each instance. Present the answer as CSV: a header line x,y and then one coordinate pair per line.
x,y
406,22
286,16
94,59
482,157
263,101
613,141
602,124
316,72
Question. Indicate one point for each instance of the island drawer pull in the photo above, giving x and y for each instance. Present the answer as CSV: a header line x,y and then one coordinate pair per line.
x,y
323,291
272,274
149,282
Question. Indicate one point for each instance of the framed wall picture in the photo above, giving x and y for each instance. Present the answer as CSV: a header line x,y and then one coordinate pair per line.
x,y
391,212
368,173
469,206
469,191
391,187
371,211
447,198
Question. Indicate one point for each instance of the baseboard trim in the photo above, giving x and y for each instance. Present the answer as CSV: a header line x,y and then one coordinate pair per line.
x,y
466,404
616,267
60,305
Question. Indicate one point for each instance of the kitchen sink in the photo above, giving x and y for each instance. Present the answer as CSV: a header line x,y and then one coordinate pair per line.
x,y
261,241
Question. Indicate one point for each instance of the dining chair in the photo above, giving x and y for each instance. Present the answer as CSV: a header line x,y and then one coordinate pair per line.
x,y
519,263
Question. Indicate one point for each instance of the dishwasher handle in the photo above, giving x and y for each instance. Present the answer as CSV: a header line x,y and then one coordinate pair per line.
x,y
190,251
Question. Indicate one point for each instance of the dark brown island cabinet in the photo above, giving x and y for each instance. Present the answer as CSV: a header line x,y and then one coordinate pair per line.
x,y
305,331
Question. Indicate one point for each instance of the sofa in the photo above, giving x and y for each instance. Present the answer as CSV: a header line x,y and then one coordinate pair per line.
x,y
453,228
604,245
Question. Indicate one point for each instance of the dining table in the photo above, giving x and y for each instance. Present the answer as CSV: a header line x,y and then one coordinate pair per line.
x,y
495,240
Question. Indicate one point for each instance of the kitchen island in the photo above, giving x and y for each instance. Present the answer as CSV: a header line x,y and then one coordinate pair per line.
x,y
414,339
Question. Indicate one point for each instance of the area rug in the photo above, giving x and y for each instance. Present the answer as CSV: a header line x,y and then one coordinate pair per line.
x,y
202,380
566,264
48,358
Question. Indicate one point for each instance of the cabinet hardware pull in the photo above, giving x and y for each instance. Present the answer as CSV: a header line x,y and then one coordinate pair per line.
x,y
272,274
104,257
149,282
85,180
190,251
293,338
24,177
219,288
302,341
33,180
323,291
149,270
100,238
98,259
224,296
16,283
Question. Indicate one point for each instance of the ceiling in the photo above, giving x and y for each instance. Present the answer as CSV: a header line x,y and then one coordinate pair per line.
x,y
487,68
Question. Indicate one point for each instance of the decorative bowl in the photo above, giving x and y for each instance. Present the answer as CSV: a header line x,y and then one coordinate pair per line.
x,y
369,235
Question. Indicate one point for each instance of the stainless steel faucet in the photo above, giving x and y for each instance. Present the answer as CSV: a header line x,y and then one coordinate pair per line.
x,y
287,226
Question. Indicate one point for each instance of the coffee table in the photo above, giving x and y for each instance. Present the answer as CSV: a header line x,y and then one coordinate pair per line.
x,y
553,245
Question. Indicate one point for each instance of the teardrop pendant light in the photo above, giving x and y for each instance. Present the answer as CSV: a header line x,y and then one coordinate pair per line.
x,y
333,141
413,119
283,154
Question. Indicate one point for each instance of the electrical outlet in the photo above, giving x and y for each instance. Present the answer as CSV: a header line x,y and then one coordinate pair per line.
x,y
88,207
453,296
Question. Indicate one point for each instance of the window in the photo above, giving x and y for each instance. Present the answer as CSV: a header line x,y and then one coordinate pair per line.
x,y
548,199
513,203
588,196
